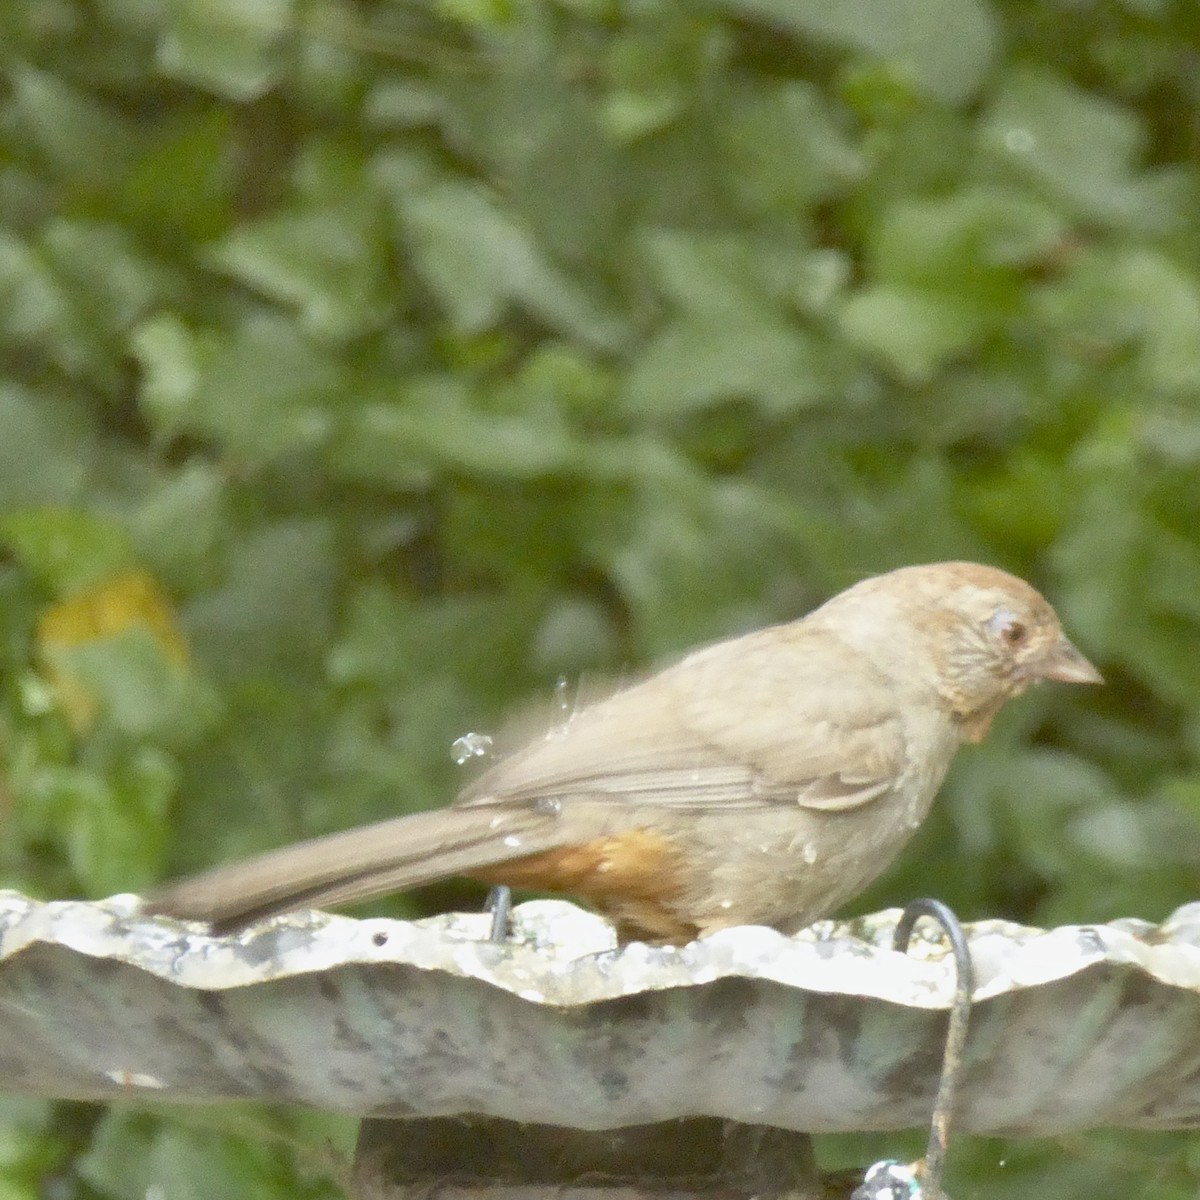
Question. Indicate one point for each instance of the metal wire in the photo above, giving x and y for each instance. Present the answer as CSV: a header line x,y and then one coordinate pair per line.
x,y
956,1034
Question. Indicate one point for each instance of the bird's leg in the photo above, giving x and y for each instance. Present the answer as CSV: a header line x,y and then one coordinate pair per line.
x,y
499,904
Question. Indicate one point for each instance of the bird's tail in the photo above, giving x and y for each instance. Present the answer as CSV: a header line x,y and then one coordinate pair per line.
x,y
359,864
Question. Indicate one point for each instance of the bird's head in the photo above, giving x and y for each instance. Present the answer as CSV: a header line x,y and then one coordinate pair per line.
x,y
981,634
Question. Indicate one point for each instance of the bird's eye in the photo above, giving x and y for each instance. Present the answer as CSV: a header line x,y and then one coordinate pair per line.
x,y
1008,627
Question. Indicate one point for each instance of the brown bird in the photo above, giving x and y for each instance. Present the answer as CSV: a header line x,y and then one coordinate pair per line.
x,y
761,780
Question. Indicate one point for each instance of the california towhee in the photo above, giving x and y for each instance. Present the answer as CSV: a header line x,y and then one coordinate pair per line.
x,y
761,780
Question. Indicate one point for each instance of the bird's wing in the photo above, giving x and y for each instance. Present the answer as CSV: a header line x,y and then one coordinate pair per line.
x,y
761,720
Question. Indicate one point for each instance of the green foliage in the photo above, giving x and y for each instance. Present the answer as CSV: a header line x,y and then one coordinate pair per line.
x,y
426,352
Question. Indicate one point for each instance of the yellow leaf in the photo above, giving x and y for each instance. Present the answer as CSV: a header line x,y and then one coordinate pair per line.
x,y
131,600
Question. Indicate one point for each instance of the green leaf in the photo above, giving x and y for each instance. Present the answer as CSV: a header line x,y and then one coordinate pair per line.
x,y
730,275
945,46
79,136
181,525
64,548
914,332
325,255
1082,149
73,294
650,73
119,1161
132,1155
172,358
486,14
272,609
479,258
694,564
234,48
29,1147
34,306
321,262
692,365
116,836
785,152
1025,503
434,423
1133,295
139,689
389,640
110,284
975,242
41,463
260,389
532,125
1101,560
111,278
182,185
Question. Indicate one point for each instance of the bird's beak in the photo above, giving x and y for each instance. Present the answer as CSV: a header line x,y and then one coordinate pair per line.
x,y
1065,664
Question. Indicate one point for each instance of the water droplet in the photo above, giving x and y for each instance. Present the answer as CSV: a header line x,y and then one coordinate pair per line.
x,y
470,745
548,806
604,866
809,853
512,841
726,903
563,708
495,822
132,1079
890,1180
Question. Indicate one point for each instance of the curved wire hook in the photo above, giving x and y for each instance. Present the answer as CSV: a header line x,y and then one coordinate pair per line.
x,y
891,1180
956,1035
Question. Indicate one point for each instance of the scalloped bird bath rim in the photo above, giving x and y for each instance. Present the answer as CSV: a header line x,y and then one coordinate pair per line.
x,y
830,1030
